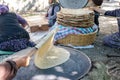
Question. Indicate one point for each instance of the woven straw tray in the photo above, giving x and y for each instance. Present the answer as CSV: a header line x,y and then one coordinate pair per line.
x,y
78,40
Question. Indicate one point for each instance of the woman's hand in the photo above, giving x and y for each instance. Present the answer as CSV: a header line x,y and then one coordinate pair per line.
x,y
97,9
27,28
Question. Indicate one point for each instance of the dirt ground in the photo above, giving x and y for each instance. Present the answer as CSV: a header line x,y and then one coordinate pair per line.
x,y
102,57
103,54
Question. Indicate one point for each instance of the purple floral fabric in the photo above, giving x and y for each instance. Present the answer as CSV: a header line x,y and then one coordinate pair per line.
x,y
16,45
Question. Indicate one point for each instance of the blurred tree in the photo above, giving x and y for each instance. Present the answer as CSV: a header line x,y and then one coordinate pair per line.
x,y
25,5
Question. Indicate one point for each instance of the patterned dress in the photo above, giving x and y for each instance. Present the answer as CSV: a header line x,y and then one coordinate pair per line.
x,y
52,13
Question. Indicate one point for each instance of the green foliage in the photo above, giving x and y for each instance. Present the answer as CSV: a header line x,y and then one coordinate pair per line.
x,y
99,73
24,0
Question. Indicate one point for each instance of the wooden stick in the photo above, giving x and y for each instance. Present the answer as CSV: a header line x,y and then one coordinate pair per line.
x,y
32,50
113,55
42,41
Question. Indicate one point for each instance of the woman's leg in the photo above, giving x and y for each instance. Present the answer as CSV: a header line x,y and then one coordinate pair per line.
x,y
112,41
96,20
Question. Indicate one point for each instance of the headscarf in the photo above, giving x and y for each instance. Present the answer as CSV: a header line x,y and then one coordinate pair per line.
x,y
98,2
53,2
3,9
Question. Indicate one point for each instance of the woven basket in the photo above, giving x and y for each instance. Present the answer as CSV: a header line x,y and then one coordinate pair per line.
x,y
78,40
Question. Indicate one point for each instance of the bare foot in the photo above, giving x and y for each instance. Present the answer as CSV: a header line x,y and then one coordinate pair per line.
x,y
22,61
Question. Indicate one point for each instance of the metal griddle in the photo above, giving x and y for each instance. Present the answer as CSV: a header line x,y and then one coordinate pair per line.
x,y
73,4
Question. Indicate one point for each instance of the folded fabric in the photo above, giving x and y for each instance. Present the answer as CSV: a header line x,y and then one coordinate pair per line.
x,y
64,31
6,52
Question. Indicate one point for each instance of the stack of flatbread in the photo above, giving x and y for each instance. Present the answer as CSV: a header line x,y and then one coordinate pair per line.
x,y
75,17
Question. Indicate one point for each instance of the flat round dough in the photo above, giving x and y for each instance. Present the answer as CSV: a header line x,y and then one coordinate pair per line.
x,y
78,12
53,57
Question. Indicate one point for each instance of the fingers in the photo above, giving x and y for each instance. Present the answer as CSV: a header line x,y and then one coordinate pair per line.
x,y
22,61
27,61
94,8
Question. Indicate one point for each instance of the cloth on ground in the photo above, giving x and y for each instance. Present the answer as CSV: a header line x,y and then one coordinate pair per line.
x,y
6,52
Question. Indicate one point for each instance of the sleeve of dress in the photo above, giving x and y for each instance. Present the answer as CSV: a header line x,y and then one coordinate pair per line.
x,y
56,9
115,13
8,70
21,20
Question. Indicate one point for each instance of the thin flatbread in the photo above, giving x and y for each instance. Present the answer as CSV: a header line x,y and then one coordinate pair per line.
x,y
49,55
53,57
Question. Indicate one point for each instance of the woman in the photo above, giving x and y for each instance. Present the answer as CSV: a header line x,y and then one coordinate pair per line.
x,y
95,3
13,37
9,68
112,40
52,12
